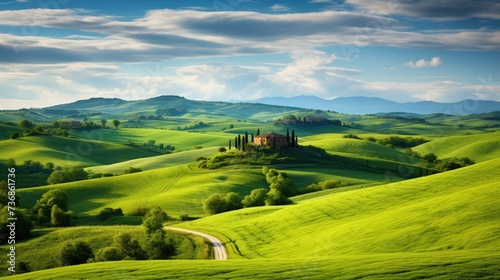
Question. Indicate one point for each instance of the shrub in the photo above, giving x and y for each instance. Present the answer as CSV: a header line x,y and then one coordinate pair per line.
x,y
256,197
108,254
275,197
59,217
132,170
129,247
107,213
43,206
77,253
352,136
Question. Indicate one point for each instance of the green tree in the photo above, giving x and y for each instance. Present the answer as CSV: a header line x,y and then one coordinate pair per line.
x,y
233,201
71,174
108,254
75,253
275,197
103,122
116,123
159,246
154,219
129,247
256,197
214,204
222,150
59,217
15,135
53,197
430,157
26,124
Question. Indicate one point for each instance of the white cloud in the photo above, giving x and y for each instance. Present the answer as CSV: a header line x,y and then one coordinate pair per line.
x,y
320,1
279,8
167,34
434,62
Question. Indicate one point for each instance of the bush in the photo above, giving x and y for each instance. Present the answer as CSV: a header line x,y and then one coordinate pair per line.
x,y
430,157
59,217
72,174
132,170
275,197
43,206
256,197
107,213
129,247
218,203
76,253
158,246
154,219
108,254
352,136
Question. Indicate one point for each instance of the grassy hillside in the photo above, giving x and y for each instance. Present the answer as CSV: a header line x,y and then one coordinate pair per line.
x,y
181,140
444,226
68,151
150,163
452,211
180,189
456,265
480,147
41,252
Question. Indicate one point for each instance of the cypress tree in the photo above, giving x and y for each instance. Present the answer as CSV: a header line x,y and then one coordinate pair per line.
x,y
252,137
230,144
258,131
246,137
239,142
296,141
293,138
287,136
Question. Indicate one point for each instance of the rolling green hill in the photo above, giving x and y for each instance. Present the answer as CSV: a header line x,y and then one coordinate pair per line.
x,y
68,151
155,162
442,226
180,189
456,210
479,147
181,140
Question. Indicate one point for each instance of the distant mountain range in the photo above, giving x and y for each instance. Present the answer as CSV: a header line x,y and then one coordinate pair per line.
x,y
277,105
371,105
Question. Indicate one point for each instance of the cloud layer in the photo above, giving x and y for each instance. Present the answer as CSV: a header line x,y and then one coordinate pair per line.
x,y
168,34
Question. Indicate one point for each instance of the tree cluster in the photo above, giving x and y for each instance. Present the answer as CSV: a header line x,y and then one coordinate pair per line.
x,y
280,188
402,142
76,173
53,207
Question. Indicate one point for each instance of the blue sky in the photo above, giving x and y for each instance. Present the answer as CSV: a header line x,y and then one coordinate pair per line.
x,y
58,51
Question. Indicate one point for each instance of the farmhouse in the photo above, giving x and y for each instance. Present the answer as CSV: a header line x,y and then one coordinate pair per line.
x,y
271,139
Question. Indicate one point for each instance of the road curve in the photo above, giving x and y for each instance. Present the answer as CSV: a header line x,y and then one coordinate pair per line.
x,y
219,250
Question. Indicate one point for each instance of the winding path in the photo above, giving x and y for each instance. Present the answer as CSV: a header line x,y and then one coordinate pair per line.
x,y
219,250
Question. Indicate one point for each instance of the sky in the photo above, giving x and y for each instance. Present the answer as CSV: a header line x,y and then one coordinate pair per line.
x,y
60,51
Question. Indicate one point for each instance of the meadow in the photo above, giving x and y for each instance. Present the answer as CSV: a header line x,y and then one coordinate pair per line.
x,y
384,222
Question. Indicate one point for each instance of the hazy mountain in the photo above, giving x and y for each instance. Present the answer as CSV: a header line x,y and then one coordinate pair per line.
x,y
371,105
171,103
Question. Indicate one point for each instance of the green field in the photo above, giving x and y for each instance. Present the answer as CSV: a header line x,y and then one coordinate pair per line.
x,y
441,226
65,152
480,147
389,219
456,210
